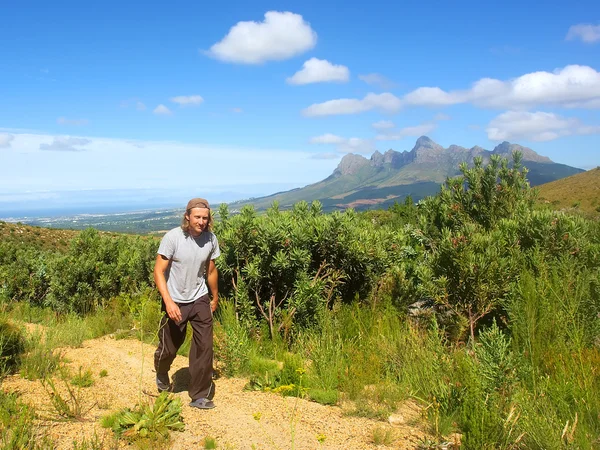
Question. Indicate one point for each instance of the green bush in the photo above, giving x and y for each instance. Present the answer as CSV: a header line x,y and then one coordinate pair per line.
x,y
12,346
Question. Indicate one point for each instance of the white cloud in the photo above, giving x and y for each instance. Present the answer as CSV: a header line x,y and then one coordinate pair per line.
x,y
384,125
433,96
237,110
345,145
5,140
318,71
281,36
162,109
65,144
441,116
536,126
385,102
327,139
140,106
187,100
570,87
586,32
416,131
377,80
76,122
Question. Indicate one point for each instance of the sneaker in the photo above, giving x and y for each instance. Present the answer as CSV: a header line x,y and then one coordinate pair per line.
x,y
163,383
202,403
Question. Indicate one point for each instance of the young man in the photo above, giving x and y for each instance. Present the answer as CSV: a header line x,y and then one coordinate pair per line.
x,y
184,272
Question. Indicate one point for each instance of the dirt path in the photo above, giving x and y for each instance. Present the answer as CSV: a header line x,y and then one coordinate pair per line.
x,y
285,422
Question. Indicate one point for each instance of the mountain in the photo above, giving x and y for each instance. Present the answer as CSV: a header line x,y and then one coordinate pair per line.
x,y
377,182
579,192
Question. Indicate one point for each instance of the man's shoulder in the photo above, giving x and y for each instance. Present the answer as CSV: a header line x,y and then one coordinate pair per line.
x,y
174,233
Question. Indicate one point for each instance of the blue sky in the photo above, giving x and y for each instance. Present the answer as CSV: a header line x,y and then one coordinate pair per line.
x,y
243,99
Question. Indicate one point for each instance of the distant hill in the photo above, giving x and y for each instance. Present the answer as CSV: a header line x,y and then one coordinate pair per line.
x,y
579,192
38,237
377,182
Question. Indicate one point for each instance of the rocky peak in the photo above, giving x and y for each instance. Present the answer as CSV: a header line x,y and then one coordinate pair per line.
x,y
351,163
427,151
377,159
506,149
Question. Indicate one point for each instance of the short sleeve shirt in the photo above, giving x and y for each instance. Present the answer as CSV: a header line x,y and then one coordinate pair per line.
x,y
189,256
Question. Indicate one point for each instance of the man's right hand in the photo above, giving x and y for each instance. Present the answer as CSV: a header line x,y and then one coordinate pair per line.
x,y
173,311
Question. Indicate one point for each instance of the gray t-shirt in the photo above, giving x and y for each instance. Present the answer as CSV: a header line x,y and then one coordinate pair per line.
x,y
189,255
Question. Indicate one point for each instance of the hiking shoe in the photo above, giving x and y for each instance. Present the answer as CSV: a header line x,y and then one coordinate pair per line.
x,y
202,403
163,383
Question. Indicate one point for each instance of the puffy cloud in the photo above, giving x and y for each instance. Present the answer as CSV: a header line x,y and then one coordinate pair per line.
x,y
384,125
65,144
433,96
345,145
377,80
535,126
237,110
140,106
417,130
318,71
76,122
586,32
5,140
570,87
162,110
282,35
385,102
187,100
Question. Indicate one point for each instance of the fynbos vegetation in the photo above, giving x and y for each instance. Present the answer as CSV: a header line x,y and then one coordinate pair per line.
x,y
473,303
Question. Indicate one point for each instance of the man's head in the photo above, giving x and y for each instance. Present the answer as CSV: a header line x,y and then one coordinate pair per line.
x,y
197,217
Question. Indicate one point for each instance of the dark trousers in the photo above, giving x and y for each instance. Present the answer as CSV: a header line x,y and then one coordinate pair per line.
x,y
171,336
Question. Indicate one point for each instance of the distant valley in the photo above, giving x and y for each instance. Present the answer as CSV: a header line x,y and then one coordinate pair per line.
x,y
357,182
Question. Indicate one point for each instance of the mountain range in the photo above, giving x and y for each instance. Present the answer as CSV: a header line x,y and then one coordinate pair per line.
x,y
382,179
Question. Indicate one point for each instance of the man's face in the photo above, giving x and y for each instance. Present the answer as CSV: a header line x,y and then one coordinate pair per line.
x,y
198,218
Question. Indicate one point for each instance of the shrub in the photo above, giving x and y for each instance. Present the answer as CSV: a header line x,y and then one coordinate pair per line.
x,y
12,346
152,421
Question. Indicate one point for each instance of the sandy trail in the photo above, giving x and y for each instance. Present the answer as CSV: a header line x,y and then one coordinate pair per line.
x,y
286,422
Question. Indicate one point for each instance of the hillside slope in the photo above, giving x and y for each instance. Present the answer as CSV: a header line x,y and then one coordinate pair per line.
x,y
580,192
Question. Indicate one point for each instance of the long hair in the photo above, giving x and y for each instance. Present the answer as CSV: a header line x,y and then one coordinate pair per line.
x,y
185,223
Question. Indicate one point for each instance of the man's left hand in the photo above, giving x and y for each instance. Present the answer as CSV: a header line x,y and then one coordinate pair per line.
x,y
213,303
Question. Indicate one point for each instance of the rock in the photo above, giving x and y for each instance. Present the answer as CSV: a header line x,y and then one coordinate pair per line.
x,y
396,420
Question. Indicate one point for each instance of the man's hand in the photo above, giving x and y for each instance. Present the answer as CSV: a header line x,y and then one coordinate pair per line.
x,y
173,311
214,302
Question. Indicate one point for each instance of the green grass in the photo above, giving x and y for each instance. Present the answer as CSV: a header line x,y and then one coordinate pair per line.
x,y
18,428
83,378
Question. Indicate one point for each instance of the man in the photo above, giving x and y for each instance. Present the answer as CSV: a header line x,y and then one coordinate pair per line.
x,y
184,267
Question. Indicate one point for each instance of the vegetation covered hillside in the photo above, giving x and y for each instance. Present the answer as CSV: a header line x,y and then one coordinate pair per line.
x,y
579,192
476,305
39,237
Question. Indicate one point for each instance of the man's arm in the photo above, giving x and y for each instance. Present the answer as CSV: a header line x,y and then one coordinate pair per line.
x,y
162,262
213,284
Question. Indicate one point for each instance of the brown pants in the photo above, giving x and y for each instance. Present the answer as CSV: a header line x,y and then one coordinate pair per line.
x,y
171,336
